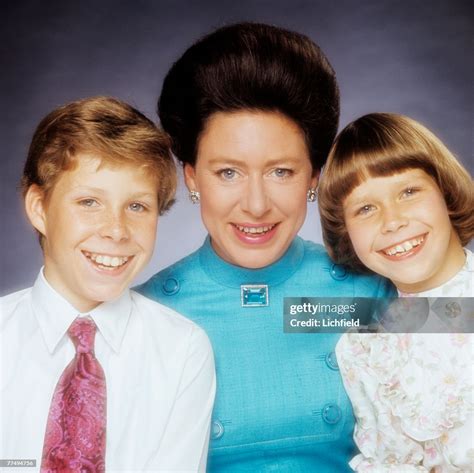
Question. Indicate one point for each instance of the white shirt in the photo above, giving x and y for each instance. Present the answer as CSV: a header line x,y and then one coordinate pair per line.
x,y
159,372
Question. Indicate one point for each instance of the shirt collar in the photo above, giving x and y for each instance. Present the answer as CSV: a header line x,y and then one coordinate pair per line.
x,y
233,276
55,315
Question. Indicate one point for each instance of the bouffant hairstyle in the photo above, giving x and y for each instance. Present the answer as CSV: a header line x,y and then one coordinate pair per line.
x,y
383,144
254,67
109,128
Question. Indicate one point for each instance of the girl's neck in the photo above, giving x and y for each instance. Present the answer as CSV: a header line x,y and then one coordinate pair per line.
x,y
452,263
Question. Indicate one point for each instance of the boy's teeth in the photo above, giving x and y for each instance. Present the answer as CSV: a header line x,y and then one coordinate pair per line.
x,y
254,230
105,260
404,247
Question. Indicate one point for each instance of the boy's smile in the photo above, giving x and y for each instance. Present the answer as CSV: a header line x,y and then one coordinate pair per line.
x,y
399,227
99,227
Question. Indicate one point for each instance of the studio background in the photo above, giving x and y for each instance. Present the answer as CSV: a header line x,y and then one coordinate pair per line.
x,y
410,57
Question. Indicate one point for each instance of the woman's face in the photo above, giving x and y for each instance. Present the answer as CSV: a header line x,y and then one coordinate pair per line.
x,y
253,173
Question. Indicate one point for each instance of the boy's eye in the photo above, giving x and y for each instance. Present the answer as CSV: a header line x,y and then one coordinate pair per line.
x,y
88,203
137,207
282,172
227,174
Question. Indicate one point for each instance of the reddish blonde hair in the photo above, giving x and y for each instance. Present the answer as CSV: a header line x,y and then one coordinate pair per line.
x,y
110,128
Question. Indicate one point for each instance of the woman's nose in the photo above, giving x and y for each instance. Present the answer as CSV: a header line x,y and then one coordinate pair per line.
x,y
256,200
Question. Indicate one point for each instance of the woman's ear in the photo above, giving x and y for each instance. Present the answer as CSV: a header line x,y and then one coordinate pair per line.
x,y
315,179
35,208
190,177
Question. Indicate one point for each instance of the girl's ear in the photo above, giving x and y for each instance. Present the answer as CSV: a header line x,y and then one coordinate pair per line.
x,y
35,208
190,177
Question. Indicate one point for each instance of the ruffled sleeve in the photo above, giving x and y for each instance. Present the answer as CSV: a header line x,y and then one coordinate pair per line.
x,y
410,403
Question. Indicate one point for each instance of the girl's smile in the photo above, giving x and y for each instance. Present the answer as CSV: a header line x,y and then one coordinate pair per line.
x,y
399,227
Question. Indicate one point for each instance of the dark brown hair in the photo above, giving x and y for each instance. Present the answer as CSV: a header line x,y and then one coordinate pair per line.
x,y
255,67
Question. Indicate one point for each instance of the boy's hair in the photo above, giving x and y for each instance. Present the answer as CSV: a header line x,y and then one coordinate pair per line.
x,y
383,144
251,67
109,128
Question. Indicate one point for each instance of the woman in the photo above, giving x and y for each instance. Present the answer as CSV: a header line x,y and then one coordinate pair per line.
x,y
252,111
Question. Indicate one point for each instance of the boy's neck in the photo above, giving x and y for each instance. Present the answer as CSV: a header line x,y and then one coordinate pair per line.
x,y
81,306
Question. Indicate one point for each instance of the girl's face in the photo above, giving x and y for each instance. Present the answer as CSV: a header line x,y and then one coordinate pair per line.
x,y
400,228
253,173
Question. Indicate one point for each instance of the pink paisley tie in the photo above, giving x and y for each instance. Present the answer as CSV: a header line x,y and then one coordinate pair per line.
x,y
75,432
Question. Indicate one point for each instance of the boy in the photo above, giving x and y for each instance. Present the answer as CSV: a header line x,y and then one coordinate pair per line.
x,y
95,376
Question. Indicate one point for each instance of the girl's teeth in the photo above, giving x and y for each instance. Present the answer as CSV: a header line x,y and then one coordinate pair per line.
x,y
404,247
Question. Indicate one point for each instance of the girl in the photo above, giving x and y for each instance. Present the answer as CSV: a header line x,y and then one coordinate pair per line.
x,y
395,201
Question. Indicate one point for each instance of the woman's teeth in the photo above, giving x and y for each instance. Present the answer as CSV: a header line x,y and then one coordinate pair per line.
x,y
402,248
255,230
107,261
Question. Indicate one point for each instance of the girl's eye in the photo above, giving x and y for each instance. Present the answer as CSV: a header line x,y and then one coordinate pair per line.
x,y
137,207
282,172
88,203
228,174
409,191
365,209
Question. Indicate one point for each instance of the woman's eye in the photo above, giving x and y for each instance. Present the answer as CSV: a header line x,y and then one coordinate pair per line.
x,y
137,207
88,203
282,172
228,174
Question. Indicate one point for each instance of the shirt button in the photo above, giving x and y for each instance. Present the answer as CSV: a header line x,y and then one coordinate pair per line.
x,y
217,430
338,272
331,361
170,286
332,413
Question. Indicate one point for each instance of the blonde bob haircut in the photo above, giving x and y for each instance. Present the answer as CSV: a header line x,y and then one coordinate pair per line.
x,y
384,144
106,127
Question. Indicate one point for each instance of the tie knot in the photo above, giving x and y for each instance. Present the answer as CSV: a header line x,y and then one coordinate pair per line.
x,y
82,334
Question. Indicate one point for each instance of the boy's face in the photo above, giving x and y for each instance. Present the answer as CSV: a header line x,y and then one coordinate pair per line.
x,y
400,228
99,226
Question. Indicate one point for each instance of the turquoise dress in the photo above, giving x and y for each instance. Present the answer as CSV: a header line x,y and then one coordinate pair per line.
x,y
280,403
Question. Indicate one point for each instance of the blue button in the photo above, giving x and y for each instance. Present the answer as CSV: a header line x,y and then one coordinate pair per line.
x,y
331,361
171,286
217,430
338,272
332,413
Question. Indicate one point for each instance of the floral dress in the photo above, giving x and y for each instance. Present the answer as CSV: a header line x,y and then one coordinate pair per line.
x,y
413,393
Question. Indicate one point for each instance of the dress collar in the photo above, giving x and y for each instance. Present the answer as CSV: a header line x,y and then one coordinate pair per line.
x,y
55,314
230,275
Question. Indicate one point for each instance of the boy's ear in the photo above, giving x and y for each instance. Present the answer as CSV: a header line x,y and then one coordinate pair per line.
x,y
35,208
190,177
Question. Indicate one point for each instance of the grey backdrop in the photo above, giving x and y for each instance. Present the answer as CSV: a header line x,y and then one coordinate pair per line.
x,y
411,57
